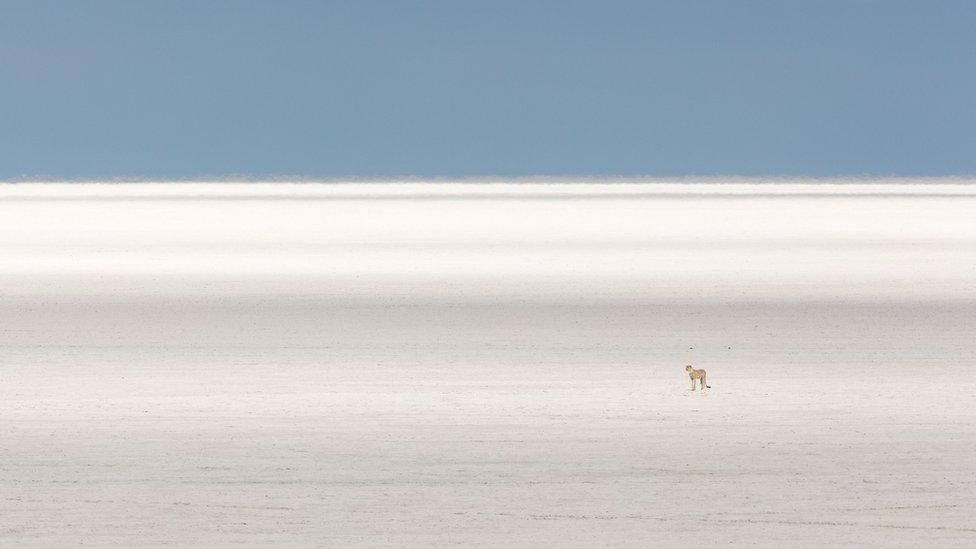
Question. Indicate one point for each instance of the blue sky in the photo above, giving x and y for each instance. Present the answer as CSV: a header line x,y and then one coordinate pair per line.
x,y
196,89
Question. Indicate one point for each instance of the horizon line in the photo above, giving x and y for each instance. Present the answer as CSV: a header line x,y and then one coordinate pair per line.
x,y
521,179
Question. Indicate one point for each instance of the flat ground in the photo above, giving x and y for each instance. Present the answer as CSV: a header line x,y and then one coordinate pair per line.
x,y
488,365
326,421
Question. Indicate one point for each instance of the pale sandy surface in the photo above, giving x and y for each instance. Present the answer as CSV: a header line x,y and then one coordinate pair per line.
x,y
151,401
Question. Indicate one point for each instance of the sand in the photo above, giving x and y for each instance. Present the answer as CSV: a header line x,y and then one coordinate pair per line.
x,y
360,365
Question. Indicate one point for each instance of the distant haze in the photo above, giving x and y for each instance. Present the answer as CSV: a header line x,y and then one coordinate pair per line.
x,y
185,89
435,242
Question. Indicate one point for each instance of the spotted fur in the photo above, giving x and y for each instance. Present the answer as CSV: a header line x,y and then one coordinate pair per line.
x,y
697,375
